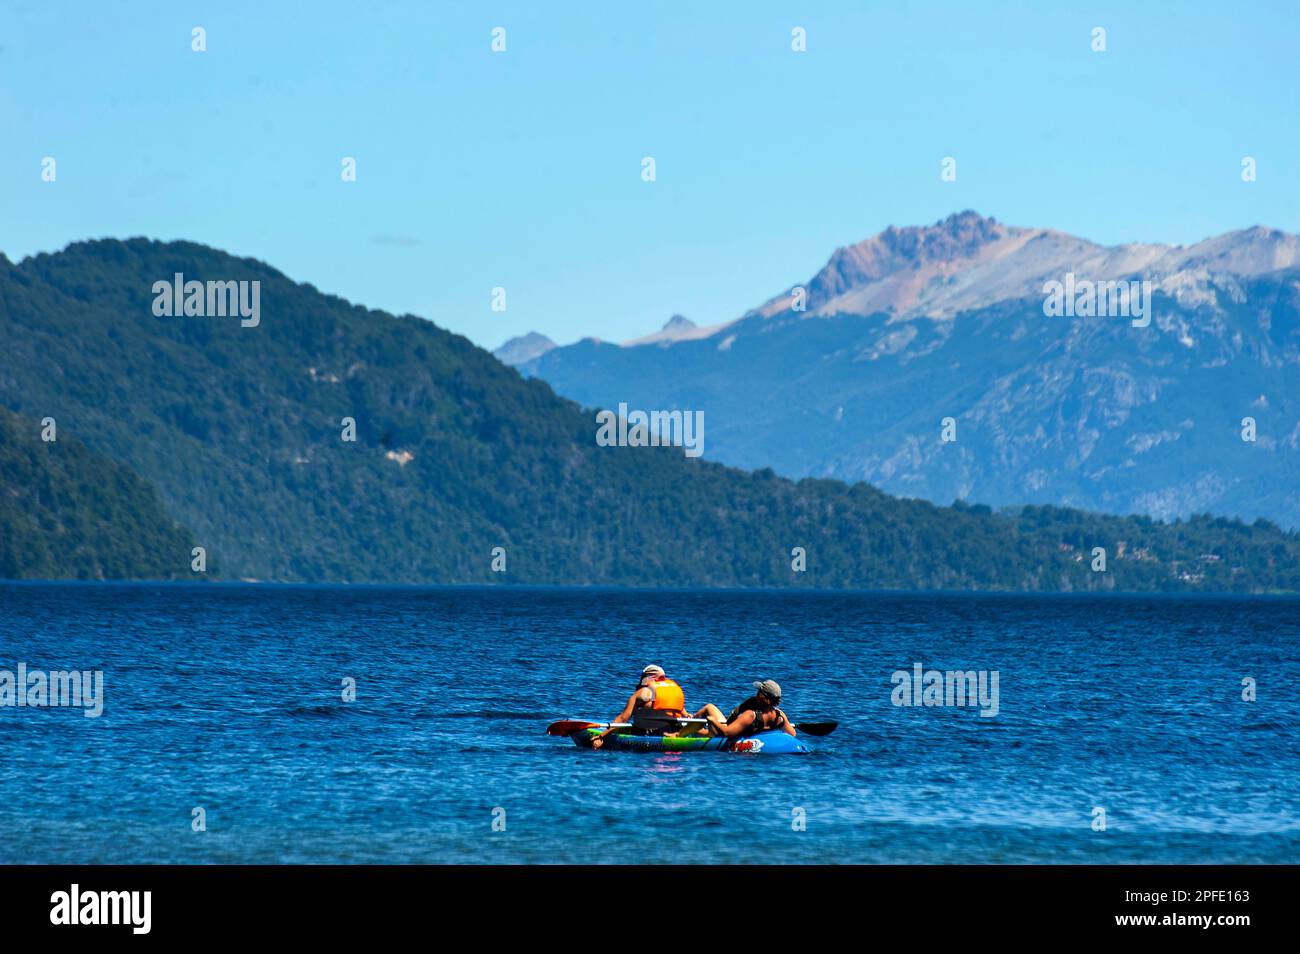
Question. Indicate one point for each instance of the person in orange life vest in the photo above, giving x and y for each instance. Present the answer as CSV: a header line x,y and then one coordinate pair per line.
x,y
656,692
758,713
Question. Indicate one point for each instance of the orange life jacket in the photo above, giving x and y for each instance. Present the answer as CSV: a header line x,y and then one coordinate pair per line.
x,y
668,696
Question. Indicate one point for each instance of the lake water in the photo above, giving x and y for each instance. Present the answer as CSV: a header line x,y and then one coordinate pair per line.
x,y
228,698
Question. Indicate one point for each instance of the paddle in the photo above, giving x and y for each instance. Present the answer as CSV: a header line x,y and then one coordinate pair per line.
x,y
649,720
652,720
816,728
570,726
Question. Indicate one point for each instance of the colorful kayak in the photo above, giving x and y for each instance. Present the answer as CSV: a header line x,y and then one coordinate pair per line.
x,y
764,743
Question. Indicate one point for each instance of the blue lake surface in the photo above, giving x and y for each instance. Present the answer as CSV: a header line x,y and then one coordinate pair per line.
x,y
228,697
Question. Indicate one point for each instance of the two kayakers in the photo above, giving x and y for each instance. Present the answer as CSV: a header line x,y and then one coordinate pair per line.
x,y
657,693
759,713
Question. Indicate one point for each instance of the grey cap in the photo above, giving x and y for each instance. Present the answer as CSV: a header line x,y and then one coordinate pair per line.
x,y
653,670
770,688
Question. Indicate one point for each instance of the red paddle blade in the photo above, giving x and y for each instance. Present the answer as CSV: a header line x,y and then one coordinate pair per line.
x,y
568,727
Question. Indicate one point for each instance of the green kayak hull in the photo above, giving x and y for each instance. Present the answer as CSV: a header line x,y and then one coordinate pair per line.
x,y
764,743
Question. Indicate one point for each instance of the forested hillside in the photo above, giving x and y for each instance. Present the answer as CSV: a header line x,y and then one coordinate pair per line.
x,y
240,429
69,513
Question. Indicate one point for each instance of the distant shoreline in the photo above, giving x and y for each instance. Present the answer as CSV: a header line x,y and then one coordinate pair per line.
x,y
697,590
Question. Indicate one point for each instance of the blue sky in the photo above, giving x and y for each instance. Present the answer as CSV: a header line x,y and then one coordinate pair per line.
x,y
522,169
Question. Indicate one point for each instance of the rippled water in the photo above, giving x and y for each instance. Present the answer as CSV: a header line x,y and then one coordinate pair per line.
x,y
228,698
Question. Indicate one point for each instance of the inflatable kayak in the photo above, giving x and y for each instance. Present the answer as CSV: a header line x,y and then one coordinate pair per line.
x,y
764,743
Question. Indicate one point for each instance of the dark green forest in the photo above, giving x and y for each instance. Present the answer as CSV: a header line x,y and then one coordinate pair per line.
x,y
69,513
239,429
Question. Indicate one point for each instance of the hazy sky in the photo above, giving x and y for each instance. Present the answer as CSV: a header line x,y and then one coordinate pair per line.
x,y
522,169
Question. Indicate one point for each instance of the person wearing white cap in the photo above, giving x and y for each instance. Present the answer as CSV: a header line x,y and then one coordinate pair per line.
x,y
655,691
759,713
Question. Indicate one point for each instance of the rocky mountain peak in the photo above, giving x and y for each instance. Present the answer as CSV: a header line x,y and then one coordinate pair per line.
x,y
899,262
960,235
524,348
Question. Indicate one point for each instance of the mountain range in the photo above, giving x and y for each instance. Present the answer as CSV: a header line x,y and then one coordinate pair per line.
x,y
328,442
851,374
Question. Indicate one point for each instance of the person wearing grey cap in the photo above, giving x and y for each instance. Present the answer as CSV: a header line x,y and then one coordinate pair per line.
x,y
759,713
